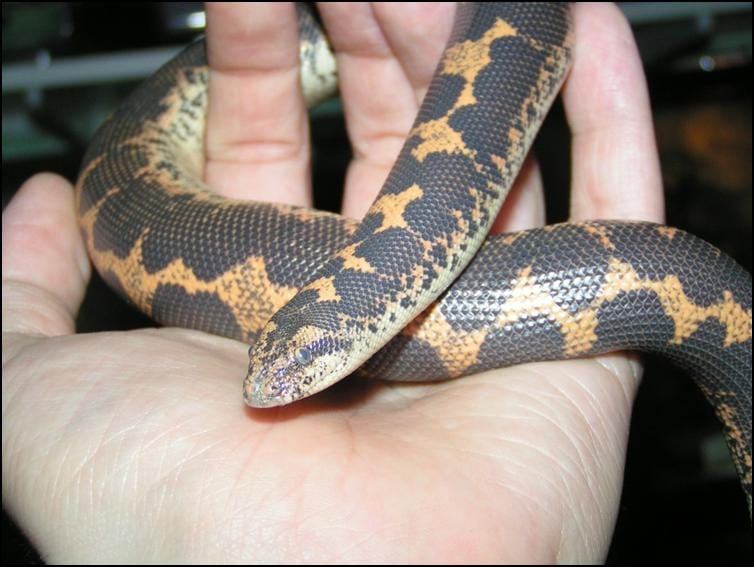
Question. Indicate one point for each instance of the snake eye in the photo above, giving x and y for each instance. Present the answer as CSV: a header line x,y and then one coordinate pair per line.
x,y
303,356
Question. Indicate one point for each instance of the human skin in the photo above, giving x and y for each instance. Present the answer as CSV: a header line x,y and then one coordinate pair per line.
x,y
136,446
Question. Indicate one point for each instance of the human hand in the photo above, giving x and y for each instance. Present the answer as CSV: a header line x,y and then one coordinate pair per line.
x,y
136,446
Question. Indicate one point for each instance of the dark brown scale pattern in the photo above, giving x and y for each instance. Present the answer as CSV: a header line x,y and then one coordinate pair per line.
x,y
436,205
189,258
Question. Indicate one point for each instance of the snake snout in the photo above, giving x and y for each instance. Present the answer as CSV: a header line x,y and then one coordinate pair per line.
x,y
274,377
257,394
263,386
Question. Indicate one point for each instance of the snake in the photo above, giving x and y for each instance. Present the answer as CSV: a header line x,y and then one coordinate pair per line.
x,y
417,290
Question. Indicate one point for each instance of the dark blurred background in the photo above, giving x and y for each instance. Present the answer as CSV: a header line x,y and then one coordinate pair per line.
x,y
66,65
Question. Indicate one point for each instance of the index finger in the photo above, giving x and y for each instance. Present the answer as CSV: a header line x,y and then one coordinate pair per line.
x,y
616,169
257,142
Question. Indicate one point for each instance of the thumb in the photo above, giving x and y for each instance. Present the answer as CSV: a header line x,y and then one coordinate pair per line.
x,y
45,267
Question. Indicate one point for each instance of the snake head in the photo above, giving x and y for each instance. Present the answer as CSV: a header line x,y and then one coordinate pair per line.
x,y
291,362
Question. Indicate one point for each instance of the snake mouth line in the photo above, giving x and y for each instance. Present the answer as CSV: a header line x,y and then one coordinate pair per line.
x,y
255,396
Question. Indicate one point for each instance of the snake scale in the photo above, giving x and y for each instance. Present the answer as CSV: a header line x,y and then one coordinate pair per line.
x,y
416,291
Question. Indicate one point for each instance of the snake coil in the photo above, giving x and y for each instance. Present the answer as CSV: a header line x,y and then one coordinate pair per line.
x,y
404,295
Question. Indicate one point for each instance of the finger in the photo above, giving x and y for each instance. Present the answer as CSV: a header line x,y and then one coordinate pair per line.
x,y
417,34
257,129
381,85
616,171
524,207
45,267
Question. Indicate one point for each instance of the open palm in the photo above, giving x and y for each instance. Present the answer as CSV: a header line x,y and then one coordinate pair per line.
x,y
136,446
